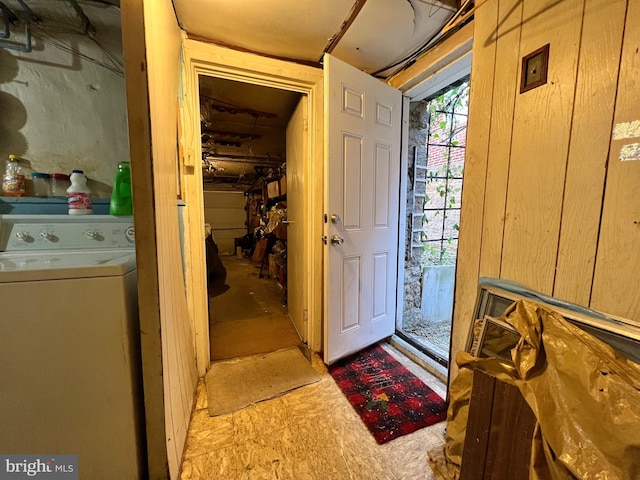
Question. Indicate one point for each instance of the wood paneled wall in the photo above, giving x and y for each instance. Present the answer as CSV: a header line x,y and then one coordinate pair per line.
x,y
152,43
547,202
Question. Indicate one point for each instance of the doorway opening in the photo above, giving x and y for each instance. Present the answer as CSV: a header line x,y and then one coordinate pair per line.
x,y
437,132
246,132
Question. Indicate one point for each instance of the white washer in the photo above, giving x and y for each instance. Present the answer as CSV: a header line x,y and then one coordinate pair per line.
x,y
70,368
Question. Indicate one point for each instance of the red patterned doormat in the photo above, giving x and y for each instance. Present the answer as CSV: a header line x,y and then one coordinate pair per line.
x,y
390,400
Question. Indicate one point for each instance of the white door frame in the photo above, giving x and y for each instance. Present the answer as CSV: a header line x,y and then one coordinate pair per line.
x,y
436,69
206,59
451,73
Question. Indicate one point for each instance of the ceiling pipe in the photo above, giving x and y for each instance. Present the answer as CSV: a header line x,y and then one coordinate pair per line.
x,y
229,179
9,18
233,110
30,16
222,134
207,126
249,161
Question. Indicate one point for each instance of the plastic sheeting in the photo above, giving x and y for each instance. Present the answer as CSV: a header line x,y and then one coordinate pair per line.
x,y
585,396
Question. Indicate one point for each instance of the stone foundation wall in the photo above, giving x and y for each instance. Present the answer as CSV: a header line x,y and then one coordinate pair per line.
x,y
413,268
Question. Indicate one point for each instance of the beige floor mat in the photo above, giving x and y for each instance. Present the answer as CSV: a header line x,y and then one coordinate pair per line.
x,y
238,383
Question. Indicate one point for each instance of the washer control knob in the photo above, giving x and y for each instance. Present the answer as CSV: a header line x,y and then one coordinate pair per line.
x,y
130,234
92,234
24,236
46,235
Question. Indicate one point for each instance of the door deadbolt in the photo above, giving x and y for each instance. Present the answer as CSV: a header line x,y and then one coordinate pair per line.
x,y
335,218
337,240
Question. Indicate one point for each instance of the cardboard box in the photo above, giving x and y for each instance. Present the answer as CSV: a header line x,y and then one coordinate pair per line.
x,y
281,231
283,185
273,189
261,248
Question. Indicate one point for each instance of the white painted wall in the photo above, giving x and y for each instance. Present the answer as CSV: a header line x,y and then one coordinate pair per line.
x,y
227,216
59,110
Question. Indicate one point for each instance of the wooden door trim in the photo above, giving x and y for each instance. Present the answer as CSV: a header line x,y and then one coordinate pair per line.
x,y
211,60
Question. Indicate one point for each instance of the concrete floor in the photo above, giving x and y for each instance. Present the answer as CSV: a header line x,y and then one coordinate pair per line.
x,y
432,335
249,318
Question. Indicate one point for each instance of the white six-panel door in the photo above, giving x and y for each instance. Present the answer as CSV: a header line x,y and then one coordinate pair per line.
x,y
362,131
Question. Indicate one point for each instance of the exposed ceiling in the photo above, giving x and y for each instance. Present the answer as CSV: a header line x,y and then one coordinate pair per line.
x,y
244,125
371,35
243,130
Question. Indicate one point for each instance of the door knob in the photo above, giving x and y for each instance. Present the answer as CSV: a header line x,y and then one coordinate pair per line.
x,y
337,240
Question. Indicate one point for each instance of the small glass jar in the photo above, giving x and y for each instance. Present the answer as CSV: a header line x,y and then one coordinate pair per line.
x,y
13,184
59,184
41,184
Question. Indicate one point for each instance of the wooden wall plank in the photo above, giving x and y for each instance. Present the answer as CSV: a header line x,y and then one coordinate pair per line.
x,y
163,40
145,226
617,274
539,146
476,440
510,434
600,48
152,44
481,94
504,96
499,432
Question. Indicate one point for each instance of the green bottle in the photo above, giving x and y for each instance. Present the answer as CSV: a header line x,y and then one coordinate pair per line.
x,y
121,203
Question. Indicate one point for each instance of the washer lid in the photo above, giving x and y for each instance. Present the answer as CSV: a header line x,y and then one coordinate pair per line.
x,y
26,267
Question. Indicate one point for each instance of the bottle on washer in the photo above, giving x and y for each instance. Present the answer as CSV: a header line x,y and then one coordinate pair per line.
x,y
79,195
121,202
13,181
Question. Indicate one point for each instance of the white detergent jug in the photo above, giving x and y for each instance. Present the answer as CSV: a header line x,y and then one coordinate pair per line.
x,y
79,195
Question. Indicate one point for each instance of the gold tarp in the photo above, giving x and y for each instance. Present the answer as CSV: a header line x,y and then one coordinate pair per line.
x,y
585,396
